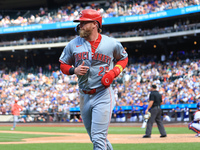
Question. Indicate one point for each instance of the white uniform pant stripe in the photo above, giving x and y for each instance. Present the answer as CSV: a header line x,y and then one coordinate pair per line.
x,y
108,144
96,111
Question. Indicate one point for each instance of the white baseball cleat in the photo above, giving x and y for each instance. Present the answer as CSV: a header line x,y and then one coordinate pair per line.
x,y
197,135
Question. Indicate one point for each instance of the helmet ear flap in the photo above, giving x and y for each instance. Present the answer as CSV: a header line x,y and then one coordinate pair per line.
x,y
77,29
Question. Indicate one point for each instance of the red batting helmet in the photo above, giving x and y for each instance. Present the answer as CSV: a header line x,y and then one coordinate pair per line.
x,y
90,15
16,101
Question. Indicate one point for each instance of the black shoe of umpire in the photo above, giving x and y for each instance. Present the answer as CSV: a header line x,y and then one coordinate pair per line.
x,y
146,136
163,136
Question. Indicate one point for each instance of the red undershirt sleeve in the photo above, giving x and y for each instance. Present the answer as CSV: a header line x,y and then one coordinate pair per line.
x,y
123,62
119,67
65,68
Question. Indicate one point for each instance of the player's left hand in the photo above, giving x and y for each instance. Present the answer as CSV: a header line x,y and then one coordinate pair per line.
x,y
108,78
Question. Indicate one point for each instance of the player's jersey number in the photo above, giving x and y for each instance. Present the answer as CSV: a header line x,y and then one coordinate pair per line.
x,y
102,69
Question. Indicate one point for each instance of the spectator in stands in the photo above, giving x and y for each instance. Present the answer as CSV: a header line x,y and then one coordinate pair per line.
x,y
80,118
133,117
55,77
139,114
144,107
2,110
127,78
116,114
136,114
66,113
75,119
29,118
41,118
177,111
121,115
166,118
186,112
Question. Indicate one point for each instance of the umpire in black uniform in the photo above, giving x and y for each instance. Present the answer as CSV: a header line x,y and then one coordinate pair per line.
x,y
155,99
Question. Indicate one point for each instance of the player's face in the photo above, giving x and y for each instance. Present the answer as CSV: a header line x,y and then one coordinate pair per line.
x,y
86,28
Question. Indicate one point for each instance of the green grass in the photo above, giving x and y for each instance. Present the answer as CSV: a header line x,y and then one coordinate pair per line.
x,y
4,137
48,129
13,137
88,146
112,130
138,130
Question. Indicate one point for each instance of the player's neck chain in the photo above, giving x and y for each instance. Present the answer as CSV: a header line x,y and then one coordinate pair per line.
x,y
93,45
95,40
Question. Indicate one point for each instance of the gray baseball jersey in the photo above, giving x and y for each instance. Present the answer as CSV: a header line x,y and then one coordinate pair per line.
x,y
96,109
79,50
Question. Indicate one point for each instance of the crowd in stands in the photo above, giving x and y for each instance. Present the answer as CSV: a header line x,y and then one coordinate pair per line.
x,y
178,26
107,9
178,82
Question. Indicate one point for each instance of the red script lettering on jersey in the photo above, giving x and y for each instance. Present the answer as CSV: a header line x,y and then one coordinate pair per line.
x,y
97,56
81,56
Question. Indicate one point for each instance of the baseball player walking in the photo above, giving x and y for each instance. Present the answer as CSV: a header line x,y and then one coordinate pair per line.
x,y
92,57
155,100
16,112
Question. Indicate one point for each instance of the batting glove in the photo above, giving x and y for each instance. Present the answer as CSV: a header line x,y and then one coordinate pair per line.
x,y
109,77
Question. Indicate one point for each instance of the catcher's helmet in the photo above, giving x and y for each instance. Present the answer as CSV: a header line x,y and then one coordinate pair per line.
x,y
198,105
90,15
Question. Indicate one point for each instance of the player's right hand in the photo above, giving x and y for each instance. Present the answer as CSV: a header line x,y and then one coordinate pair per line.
x,y
81,69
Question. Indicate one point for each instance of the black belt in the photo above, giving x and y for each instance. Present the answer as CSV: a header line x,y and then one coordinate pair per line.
x,y
156,107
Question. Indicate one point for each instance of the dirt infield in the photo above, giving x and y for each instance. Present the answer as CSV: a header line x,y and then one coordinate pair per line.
x,y
113,138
